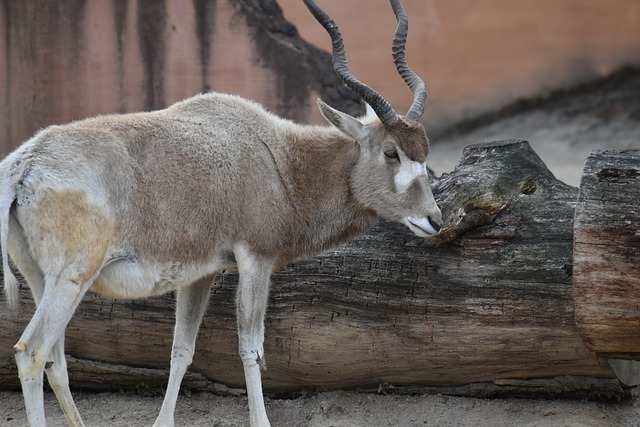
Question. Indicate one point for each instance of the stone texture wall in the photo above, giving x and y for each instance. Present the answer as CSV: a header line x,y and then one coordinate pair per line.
x,y
68,59
480,55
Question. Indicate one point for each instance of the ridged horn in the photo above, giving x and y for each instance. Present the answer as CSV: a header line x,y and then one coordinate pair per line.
x,y
382,108
414,82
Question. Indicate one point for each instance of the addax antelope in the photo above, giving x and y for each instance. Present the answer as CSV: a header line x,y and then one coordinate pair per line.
x,y
141,204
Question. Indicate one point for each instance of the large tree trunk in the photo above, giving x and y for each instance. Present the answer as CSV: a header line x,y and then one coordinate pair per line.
x,y
489,301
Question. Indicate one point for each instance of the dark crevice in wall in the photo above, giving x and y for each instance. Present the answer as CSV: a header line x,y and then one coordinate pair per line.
x,y
71,16
205,25
120,16
298,66
6,13
70,27
151,26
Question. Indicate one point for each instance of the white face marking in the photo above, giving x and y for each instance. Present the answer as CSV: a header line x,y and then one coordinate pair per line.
x,y
408,172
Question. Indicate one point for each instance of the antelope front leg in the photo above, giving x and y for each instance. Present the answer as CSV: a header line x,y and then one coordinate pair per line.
x,y
190,307
251,306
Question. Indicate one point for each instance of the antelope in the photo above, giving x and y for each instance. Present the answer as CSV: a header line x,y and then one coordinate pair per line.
x,y
140,204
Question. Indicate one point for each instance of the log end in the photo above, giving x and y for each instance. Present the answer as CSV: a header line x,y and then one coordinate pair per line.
x,y
606,253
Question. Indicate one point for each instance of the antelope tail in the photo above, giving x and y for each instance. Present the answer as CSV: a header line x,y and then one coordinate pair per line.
x,y
7,196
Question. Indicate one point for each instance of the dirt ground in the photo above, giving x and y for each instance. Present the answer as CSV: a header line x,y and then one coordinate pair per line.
x,y
338,409
563,128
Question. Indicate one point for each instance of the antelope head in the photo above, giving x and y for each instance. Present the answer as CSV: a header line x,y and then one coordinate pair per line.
x,y
390,176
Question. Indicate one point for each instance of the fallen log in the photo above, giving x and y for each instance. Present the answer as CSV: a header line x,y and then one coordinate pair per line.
x,y
489,301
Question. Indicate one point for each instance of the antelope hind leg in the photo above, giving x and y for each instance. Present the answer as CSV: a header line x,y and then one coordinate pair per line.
x,y
56,370
68,237
46,329
56,365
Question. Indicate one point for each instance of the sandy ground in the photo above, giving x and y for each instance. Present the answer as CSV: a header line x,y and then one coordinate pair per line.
x,y
563,129
338,409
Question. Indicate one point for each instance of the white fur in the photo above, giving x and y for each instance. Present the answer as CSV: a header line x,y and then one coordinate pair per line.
x,y
409,171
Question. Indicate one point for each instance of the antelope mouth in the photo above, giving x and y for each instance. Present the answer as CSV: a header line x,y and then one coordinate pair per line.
x,y
422,227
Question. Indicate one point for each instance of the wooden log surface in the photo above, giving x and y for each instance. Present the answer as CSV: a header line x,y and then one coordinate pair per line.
x,y
607,253
489,301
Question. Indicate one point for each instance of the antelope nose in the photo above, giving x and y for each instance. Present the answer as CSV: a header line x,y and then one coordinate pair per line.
x,y
435,223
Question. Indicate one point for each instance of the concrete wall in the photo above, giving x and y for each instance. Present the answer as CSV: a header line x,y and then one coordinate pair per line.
x,y
479,55
67,59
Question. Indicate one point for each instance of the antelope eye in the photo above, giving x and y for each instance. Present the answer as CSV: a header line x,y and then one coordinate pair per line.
x,y
392,154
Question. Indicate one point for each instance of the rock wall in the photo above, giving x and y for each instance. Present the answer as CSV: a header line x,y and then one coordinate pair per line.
x,y
71,59
478,56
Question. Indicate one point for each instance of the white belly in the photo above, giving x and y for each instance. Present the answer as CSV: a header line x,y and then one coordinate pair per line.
x,y
133,279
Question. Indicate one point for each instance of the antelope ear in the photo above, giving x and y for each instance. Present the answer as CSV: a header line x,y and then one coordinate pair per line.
x,y
369,111
350,126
